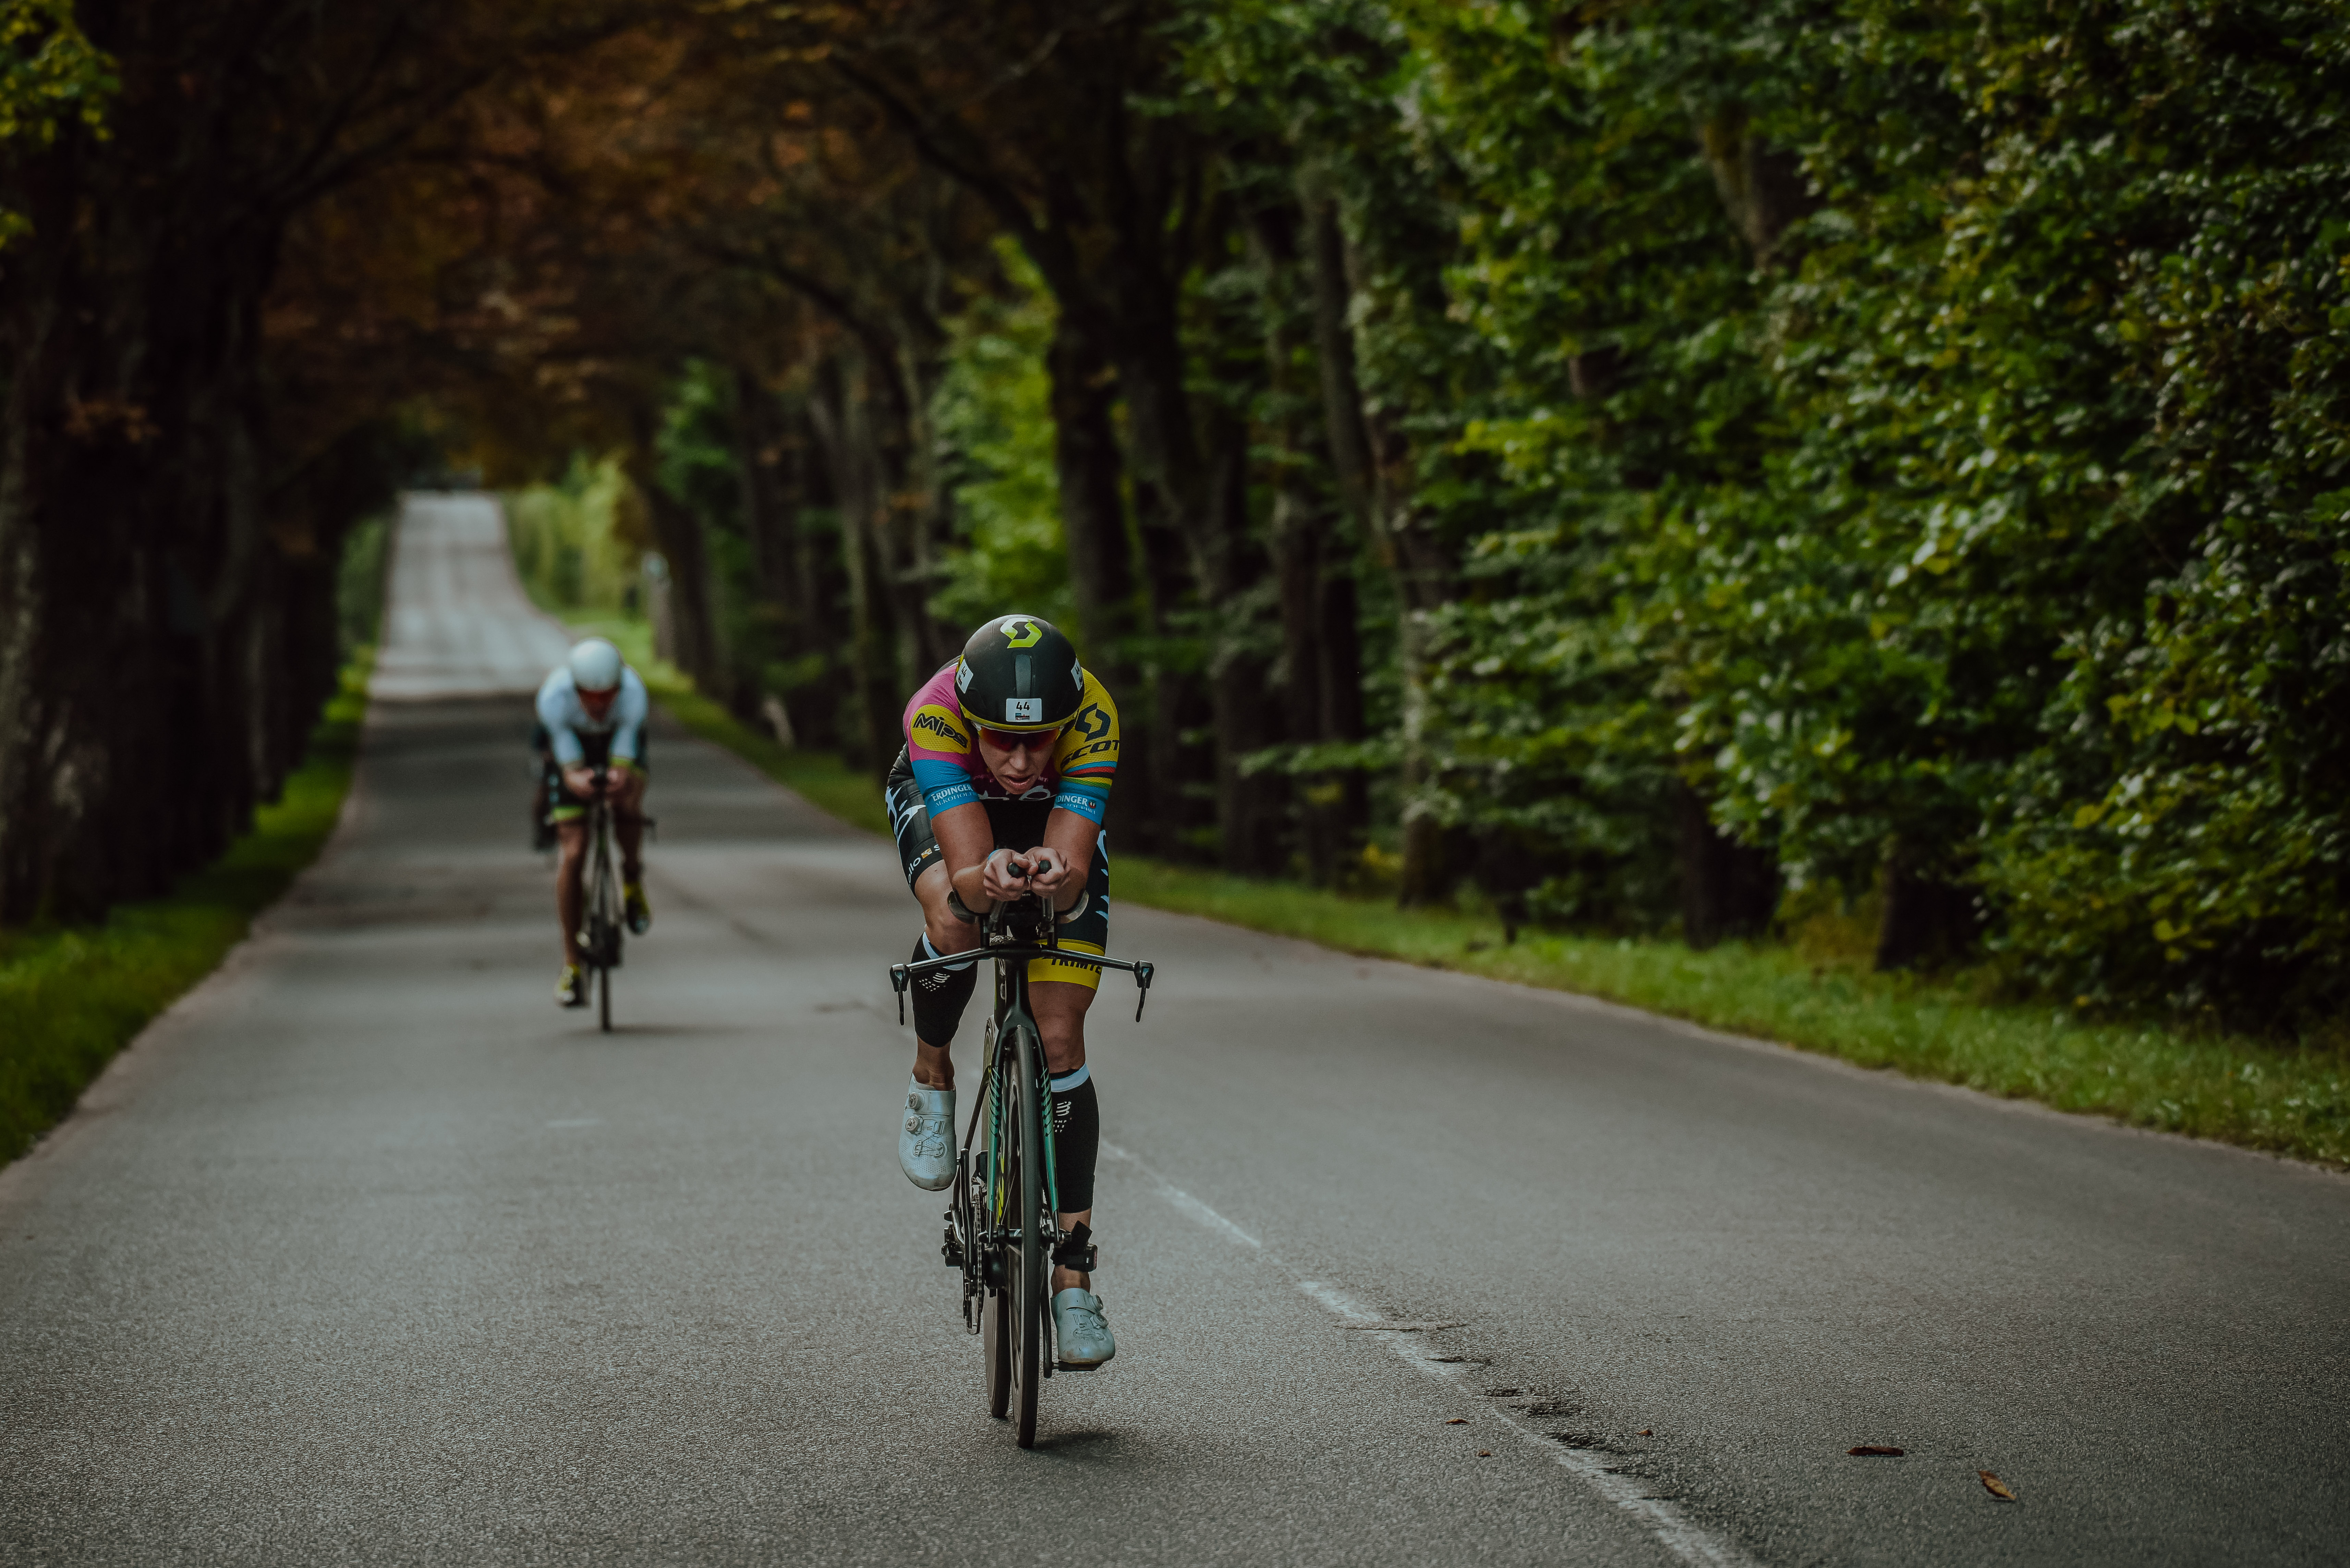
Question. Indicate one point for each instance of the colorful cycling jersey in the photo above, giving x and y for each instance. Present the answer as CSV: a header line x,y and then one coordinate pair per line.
x,y
947,765
565,717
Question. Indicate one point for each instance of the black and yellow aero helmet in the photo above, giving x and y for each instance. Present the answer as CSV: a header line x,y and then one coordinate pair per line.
x,y
1018,672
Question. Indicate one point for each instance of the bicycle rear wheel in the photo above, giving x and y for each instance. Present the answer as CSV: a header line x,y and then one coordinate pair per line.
x,y
995,1345
604,999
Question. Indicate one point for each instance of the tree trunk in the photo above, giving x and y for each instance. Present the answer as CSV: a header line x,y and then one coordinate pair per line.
x,y
840,416
1371,464
1251,809
817,579
1762,187
1928,920
762,470
140,708
1727,889
1170,710
1093,518
1320,642
678,531
1297,569
1090,476
926,516
1339,627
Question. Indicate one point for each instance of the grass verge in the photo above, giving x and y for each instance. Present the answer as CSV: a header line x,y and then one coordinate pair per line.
x,y
2288,1102
75,995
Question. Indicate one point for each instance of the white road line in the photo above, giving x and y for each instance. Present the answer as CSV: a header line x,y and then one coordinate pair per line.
x,y
1673,1531
1191,1206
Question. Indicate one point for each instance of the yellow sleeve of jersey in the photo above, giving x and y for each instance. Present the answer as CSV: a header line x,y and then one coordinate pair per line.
x,y
1087,755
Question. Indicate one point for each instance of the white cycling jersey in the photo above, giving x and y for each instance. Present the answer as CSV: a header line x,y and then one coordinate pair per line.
x,y
566,718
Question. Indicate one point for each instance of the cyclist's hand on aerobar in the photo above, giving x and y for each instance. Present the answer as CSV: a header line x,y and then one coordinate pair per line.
x,y
1008,874
1003,876
579,779
1046,870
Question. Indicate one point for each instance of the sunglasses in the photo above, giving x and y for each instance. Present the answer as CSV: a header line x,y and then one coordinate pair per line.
x,y
1020,740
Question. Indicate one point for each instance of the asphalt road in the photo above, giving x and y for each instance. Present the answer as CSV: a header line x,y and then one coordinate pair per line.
x,y
368,1252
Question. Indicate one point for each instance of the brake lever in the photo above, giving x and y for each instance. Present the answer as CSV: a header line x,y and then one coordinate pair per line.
x,y
1142,972
897,979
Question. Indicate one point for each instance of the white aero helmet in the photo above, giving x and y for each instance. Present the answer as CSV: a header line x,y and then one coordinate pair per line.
x,y
596,666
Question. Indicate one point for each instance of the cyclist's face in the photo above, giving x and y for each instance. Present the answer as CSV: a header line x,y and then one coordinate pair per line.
x,y
598,703
1016,758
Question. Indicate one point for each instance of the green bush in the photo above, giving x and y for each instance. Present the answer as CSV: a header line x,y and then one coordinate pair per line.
x,y
361,584
577,543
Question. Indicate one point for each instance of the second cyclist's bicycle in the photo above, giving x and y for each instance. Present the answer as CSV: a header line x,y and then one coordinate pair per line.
x,y
1002,1229
601,925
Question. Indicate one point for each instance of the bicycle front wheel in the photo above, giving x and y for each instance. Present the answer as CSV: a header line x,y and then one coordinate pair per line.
x,y
1030,1298
986,1234
603,922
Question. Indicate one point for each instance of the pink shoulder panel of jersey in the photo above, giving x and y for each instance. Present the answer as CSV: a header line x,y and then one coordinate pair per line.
x,y
936,729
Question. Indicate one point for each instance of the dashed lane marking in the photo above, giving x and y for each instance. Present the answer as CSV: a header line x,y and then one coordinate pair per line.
x,y
1189,1206
1672,1530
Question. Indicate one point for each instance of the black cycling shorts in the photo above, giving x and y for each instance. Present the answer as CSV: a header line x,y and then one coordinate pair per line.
x,y
1019,825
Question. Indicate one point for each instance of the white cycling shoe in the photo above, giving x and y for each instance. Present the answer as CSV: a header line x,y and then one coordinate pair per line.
x,y
926,1138
1080,1333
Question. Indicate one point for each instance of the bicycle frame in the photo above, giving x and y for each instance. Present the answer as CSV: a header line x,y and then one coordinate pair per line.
x,y
599,915
1012,935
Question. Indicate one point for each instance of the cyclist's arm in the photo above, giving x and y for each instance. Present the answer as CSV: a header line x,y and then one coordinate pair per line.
x,y
555,718
1070,838
634,705
1084,764
965,840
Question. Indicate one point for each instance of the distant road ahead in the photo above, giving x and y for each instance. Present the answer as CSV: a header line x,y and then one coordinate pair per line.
x,y
367,1253
456,624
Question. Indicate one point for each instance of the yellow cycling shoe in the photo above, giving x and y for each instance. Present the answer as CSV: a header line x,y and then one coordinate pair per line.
x,y
571,991
634,909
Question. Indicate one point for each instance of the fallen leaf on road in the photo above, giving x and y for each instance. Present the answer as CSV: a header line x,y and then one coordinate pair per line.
x,y
1995,1486
1457,1421
1484,1453
1874,1451
1646,1433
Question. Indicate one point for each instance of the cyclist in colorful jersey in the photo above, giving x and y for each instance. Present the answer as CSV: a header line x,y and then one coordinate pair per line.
x,y
999,793
591,715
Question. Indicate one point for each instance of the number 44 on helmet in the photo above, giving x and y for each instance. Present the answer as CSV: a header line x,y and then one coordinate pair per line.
x,y
1018,672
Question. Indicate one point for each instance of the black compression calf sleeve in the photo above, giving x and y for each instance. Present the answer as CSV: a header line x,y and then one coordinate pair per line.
x,y
1077,1141
941,995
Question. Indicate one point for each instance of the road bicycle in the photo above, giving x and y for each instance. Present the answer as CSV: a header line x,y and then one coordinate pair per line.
x,y
1001,1227
600,924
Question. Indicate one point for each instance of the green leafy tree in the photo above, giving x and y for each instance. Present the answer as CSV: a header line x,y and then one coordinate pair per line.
x,y
51,77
